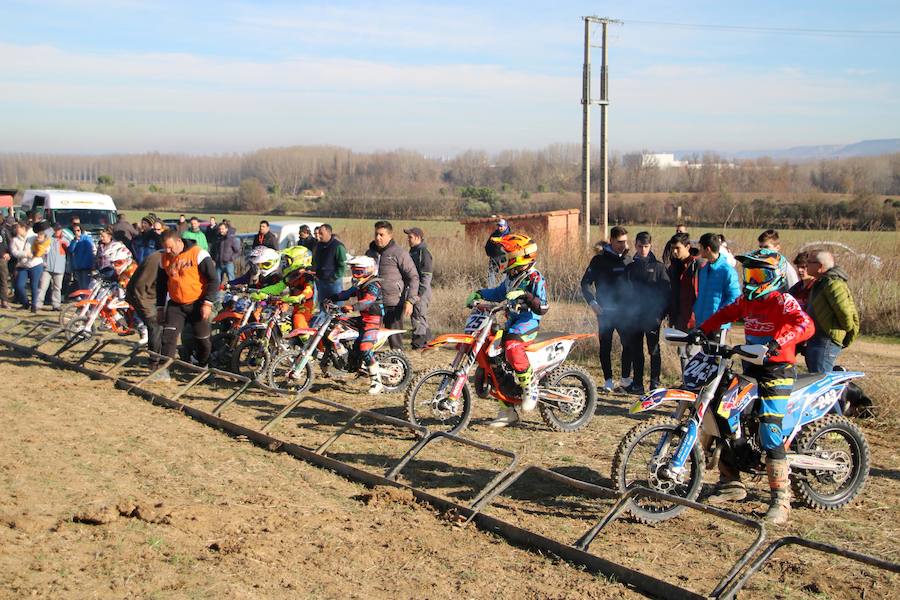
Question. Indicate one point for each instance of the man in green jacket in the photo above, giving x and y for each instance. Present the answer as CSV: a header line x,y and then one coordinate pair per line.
x,y
832,310
193,233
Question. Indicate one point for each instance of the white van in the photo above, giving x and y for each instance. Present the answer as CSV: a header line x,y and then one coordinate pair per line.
x,y
96,211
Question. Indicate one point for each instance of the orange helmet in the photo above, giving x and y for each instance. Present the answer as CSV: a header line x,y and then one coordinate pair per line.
x,y
520,251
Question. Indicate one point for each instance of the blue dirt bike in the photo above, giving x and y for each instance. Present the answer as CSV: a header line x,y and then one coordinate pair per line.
x,y
828,454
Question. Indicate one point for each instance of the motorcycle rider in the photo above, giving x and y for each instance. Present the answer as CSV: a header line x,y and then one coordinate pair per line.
x,y
368,295
295,285
525,292
772,318
120,258
264,268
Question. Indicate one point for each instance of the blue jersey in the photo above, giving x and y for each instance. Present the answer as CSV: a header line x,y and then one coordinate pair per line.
x,y
528,318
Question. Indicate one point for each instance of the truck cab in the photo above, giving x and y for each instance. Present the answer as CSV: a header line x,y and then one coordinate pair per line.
x,y
96,211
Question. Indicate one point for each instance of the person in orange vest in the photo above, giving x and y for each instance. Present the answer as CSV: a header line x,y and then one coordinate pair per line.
x,y
188,275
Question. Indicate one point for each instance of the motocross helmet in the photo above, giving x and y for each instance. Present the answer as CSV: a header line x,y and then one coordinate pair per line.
x,y
294,259
520,251
266,260
762,273
362,268
118,256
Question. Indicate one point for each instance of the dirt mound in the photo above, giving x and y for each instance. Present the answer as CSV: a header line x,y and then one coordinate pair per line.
x,y
382,496
129,509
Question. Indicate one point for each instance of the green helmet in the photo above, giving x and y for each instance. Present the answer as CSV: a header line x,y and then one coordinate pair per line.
x,y
762,273
294,259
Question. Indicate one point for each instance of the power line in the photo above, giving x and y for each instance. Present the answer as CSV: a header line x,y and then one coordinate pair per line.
x,y
877,33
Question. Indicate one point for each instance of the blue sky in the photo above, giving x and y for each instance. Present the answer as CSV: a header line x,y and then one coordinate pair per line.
x,y
205,77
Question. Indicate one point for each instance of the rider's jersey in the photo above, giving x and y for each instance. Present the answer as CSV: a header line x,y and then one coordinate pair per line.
x,y
296,287
528,318
369,301
776,316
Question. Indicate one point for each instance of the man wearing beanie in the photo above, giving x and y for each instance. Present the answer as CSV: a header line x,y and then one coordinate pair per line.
x,y
147,242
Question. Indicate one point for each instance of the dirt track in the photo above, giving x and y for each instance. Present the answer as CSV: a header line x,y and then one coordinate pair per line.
x,y
180,510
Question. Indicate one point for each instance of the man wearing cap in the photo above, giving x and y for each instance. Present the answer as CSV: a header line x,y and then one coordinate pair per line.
x,y
421,257
495,252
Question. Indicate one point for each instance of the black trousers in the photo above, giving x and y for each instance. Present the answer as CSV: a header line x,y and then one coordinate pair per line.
x,y
176,316
393,319
635,349
4,280
608,325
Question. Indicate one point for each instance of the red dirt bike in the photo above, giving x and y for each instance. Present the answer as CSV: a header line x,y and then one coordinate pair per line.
x,y
238,310
441,399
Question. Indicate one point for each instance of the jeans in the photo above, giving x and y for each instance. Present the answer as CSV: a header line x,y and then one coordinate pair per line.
x,y
50,281
225,271
821,353
635,349
33,275
83,279
326,289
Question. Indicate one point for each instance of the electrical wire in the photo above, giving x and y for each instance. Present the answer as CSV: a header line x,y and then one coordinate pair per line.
x,y
876,33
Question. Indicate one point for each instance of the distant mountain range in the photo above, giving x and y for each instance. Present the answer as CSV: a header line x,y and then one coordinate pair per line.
x,y
806,153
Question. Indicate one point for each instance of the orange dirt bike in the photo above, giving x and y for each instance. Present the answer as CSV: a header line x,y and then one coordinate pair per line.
x,y
74,308
441,399
237,311
104,310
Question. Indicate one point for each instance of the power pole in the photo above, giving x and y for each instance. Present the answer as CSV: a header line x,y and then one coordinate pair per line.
x,y
604,139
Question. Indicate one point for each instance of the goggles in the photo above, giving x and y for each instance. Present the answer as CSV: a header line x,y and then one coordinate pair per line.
x,y
758,276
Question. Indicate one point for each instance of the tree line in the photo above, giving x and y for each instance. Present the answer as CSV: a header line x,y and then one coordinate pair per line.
x,y
406,183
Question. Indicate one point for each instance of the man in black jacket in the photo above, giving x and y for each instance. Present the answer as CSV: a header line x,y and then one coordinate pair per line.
x,y
421,257
650,293
264,237
605,289
495,252
4,268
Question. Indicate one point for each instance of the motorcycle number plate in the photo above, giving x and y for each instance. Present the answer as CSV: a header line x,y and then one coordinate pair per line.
x,y
474,322
699,370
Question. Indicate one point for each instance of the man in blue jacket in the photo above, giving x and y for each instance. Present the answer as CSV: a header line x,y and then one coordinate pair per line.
x,y
717,281
81,255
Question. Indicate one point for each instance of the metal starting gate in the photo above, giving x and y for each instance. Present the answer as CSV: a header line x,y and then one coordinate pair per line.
x,y
92,357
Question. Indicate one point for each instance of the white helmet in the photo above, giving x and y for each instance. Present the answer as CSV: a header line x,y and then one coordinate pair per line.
x,y
266,260
118,256
362,267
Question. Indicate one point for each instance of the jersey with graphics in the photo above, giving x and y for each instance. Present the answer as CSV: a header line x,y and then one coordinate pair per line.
x,y
528,318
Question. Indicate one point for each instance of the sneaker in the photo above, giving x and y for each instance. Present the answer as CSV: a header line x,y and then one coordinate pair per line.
x,y
161,375
625,382
635,388
609,385
506,417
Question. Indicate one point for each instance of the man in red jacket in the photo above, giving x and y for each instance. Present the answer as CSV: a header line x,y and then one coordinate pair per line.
x,y
774,319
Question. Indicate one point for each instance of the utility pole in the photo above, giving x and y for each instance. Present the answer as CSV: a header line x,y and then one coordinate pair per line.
x,y
604,139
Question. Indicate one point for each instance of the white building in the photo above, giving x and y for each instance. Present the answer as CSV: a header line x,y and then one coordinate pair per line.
x,y
661,160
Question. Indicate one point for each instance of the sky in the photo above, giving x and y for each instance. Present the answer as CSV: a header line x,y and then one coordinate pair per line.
x,y
91,76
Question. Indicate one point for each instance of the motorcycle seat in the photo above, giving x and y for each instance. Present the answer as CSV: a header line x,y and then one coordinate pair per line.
x,y
544,336
807,379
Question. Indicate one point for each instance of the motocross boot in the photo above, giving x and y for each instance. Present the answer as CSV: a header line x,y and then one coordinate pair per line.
x,y
529,387
506,416
375,385
778,472
730,487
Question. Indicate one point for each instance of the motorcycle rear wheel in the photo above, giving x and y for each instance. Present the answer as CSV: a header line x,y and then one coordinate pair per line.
x,y
424,398
634,464
565,417
396,370
811,487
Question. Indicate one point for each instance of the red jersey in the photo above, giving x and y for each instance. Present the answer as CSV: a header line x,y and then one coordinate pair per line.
x,y
775,316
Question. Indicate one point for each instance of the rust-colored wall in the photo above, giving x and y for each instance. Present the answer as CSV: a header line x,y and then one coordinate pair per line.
x,y
558,228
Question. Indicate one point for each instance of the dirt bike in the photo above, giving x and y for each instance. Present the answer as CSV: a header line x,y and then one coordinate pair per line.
x,y
259,342
441,399
330,338
237,311
103,311
828,454
73,309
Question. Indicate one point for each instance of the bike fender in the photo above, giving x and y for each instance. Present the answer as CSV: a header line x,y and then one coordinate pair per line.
x,y
660,395
87,303
79,293
228,314
300,331
450,338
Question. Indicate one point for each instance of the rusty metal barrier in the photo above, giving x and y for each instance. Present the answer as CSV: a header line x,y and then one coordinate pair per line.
x,y
576,553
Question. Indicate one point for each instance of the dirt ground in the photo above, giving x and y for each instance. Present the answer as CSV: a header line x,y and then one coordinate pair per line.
x,y
105,495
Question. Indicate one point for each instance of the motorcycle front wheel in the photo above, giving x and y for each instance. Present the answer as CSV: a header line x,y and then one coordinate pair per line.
x,y
428,402
641,460
285,377
250,358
